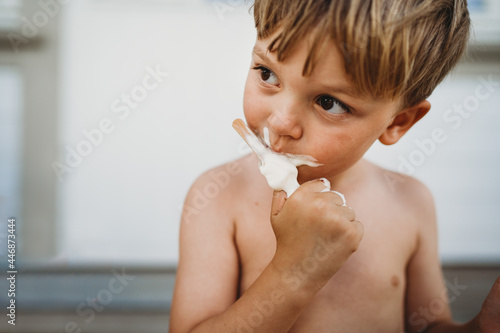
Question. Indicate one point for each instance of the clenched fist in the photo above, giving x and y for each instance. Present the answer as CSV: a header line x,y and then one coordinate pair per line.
x,y
315,234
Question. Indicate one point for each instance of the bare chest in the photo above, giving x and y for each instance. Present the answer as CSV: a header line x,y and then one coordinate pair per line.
x,y
369,289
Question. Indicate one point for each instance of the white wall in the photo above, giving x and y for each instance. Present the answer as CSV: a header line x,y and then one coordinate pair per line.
x,y
461,167
123,201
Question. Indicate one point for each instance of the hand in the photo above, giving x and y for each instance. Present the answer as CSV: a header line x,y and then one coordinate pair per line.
x,y
315,234
488,320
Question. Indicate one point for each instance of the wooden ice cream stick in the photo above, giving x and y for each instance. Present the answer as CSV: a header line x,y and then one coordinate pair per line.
x,y
249,136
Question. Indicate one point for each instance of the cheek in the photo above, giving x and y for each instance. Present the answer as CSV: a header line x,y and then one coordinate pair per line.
x,y
338,140
247,94
248,105
343,147
253,107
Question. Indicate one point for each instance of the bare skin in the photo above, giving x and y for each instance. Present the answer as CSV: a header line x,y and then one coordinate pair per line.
x,y
388,243
372,283
255,261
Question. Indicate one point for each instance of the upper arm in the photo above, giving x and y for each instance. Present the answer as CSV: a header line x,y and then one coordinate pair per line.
x,y
208,270
426,298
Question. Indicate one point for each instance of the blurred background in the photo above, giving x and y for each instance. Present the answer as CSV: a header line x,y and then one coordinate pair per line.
x,y
109,110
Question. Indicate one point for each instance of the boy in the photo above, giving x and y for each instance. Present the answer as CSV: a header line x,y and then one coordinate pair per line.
x,y
327,79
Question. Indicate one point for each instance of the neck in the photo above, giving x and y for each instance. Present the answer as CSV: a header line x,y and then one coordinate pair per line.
x,y
349,178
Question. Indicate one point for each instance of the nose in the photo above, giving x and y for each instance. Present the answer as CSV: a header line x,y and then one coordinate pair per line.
x,y
285,121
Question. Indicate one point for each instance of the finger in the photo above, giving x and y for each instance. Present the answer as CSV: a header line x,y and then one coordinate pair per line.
x,y
337,198
316,185
359,228
279,199
341,197
348,212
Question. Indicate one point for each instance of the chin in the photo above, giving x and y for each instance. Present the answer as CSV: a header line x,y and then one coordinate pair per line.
x,y
307,173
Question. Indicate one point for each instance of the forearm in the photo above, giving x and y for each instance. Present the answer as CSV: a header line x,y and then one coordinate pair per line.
x,y
269,305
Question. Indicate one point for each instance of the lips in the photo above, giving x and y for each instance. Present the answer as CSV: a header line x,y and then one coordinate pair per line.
x,y
279,150
276,150
265,139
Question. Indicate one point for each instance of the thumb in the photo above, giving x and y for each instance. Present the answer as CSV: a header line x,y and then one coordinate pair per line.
x,y
279,199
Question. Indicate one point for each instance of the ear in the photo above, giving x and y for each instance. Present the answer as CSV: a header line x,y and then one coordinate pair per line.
x,y
403,121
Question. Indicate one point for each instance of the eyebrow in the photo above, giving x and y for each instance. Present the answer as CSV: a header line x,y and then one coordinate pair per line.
x,y
259,52
346,90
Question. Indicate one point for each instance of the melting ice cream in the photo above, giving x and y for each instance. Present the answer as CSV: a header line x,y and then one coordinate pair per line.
x,y
280,170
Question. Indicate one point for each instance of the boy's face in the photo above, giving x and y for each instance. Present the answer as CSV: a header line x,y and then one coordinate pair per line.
x,y
321,115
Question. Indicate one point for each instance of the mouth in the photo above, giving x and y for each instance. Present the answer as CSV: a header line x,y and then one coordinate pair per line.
x,y
265,140
260,146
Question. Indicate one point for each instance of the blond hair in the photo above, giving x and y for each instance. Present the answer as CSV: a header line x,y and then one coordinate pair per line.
x,y
391,48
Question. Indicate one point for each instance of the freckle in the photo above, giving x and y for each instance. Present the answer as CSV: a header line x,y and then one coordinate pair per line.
x,y
256,203
395,281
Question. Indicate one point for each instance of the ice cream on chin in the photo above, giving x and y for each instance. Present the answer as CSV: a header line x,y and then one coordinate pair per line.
x,y
280,170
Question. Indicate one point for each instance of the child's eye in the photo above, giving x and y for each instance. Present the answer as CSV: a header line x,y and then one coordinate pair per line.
x,y
332,105
267,75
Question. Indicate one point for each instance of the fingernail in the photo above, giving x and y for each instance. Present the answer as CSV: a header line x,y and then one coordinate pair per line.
x,y
325,182
342,196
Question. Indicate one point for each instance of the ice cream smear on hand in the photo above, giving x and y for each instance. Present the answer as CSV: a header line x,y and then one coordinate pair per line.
x,y
280,170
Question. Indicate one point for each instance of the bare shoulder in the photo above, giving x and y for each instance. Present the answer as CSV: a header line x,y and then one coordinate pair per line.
x,y
221,187
407,192
409,208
